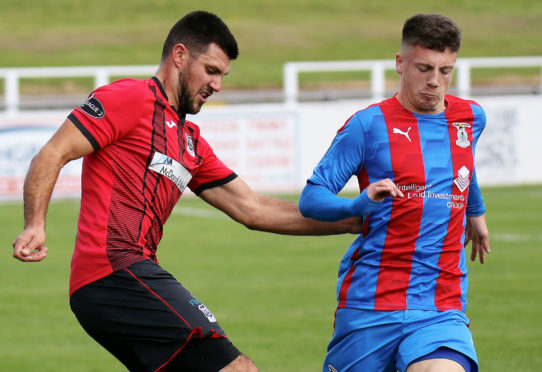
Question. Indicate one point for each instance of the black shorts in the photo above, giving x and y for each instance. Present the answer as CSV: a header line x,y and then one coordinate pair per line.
x,y
149,321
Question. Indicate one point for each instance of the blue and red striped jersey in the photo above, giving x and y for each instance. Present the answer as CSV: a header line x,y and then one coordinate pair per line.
x,y
411,254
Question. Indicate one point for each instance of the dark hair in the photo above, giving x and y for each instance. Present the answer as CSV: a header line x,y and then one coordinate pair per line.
x,y
431,31
197,30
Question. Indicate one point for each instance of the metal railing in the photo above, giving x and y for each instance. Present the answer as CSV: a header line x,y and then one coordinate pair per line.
x,y
291,71
377,69
101,74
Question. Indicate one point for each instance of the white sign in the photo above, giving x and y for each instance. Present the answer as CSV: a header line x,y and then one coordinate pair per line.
x,y
20,141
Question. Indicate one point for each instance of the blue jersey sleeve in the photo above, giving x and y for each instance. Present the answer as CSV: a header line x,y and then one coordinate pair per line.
x,y
343,160
475,202
320,203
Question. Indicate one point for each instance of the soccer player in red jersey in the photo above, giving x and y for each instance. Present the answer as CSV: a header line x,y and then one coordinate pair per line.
x,y
140,153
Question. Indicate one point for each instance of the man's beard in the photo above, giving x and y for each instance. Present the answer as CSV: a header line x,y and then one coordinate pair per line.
x,y
186,103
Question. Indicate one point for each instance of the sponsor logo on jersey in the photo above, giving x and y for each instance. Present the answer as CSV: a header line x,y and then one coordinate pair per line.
x,y
399,131
462,135
424,191
93,107
462,181
207,313
171,169
190,145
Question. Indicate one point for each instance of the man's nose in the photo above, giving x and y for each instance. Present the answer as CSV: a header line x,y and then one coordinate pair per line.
x,y
432,78
216,84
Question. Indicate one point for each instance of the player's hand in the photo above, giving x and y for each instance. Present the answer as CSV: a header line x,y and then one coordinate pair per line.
x,y
477,232
28,247
379,190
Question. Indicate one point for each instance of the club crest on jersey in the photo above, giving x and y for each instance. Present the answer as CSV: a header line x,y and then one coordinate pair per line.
x,y
462,135
93,107
190,145
462,181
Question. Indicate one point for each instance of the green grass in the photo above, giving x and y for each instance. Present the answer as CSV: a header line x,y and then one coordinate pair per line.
x,y
270,33
274,295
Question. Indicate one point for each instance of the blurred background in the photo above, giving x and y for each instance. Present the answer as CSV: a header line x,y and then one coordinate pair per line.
x,y
274,295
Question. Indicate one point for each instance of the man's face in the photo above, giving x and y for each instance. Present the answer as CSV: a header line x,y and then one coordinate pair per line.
x,y
426,75
201,78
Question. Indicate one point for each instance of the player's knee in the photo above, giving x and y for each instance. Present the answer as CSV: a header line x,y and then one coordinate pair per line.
x,y
241,364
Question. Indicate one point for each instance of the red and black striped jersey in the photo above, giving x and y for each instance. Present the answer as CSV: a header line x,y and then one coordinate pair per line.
x,y
146,153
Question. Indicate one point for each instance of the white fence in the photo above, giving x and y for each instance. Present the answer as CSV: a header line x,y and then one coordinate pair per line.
x,y
101,74
274,146
291,70
378,68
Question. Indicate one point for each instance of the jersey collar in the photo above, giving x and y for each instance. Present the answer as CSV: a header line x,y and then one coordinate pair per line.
x,y
181,116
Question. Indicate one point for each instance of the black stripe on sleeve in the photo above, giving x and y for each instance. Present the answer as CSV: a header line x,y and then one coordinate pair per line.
x,y
85,131
216,183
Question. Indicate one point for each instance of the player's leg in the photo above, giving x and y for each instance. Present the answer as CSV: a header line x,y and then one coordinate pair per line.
x,y
436,365
149,321
363,340
210,354
240,364
442,359
436,341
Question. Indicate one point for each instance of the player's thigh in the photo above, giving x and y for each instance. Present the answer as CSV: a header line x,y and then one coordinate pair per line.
x,y
241,363
363,340
144,316
436,365
208,354
428,332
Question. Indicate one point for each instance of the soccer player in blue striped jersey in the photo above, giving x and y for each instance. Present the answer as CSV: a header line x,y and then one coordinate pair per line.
x,y
402,287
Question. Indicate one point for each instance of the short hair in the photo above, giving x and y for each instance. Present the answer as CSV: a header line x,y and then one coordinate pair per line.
x,y
197,30
431,31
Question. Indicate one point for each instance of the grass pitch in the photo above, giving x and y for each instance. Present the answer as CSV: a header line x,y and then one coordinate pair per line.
x,y
274,295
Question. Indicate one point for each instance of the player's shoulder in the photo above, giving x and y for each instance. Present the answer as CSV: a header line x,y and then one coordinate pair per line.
x,y
454,100
456,104
124,91
366,114
125,85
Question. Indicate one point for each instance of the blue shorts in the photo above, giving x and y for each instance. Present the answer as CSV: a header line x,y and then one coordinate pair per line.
x,y
367,340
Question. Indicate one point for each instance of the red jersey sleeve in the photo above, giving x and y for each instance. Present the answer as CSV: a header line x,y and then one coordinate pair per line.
x,y
110,112
211,171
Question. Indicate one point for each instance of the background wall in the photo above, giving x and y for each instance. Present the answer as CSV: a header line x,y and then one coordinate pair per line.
x,y
275,147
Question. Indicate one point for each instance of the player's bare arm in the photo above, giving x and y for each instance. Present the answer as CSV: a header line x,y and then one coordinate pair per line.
x,y
67,143
477,232
265,213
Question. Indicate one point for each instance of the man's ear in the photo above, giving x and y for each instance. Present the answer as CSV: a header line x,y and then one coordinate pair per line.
x,y
399,63
179,55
